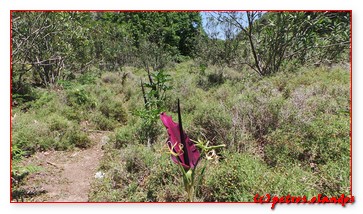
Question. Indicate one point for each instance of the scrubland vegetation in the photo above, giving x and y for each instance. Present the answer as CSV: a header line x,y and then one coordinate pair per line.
x,y
275,89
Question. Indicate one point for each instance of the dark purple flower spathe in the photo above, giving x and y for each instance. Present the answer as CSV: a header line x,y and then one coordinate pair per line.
x,y
183,149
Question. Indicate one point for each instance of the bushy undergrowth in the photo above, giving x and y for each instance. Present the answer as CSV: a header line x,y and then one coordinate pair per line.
x,y
238,177
53,120
44,133
61,117
288,133
136,173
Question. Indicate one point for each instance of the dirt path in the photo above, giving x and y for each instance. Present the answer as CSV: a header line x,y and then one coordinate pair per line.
x,y
65,176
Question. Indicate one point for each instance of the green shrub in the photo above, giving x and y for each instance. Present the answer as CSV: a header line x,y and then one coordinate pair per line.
x,y
80,96
17,153
102,122
238,177
334,177
163,184
235,178
213,120
30,135
77,138
88,78
211,79
314,120
111,77
23,93
113,109
32,132
111,105
329,138
44,99
125,135
139,174
258,109
110,112
291,179
148,127
73,114
58,123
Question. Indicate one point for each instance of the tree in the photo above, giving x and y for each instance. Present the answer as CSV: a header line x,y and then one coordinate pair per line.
x,y
276,37
159,37
33,48
45,44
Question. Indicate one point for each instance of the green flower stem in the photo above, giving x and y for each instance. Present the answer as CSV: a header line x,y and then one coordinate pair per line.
x,y
190,192
188,178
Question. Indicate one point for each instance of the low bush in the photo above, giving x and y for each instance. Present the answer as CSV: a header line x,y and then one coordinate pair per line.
x,y
139,174
80,97
31,135
313,121
111,77
213,120
101,122
77,138
88,78
325,139
125,135
258,109
210,78
238,177
113,109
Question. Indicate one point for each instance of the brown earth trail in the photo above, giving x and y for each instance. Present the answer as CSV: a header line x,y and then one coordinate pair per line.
x,y
65,176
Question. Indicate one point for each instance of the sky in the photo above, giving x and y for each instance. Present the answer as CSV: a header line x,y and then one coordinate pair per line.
x,y
219,30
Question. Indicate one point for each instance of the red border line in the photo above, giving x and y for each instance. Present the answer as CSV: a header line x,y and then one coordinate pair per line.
x,y
351,96
179,10
351,103
11,92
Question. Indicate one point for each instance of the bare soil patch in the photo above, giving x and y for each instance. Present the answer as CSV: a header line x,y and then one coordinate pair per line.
x,y
65,176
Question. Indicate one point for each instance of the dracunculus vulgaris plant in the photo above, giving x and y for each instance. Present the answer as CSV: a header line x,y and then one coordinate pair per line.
x,y
184,152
